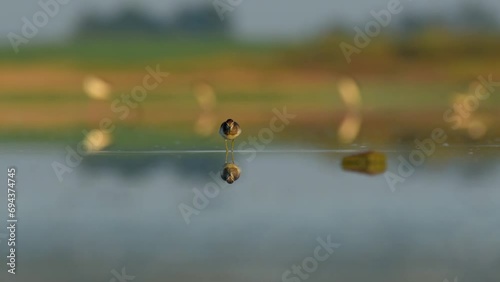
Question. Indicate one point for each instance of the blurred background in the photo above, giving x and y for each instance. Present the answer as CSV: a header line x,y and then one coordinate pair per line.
x,y
259,56
67,67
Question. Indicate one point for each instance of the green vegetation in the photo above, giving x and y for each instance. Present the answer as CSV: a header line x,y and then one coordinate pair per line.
x,y
136,51
407,83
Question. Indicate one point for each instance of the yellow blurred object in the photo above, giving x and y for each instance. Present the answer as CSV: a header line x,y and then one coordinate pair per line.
x,y
368,163
206,124
96,140
205,95
349,92
97,88
476,129
349,128
458,100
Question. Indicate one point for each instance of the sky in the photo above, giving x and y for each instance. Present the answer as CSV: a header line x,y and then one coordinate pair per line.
x,y
253,19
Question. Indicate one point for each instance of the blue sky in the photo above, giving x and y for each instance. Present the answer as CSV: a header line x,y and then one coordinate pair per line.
x,y
254,19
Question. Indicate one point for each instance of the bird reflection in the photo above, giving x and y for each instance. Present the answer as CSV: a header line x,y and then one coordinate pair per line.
x,y
230,172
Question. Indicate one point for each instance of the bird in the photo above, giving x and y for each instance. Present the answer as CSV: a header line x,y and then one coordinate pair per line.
x,y
229,130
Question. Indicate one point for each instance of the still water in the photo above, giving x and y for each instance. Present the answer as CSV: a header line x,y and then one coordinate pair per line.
x,y
122,217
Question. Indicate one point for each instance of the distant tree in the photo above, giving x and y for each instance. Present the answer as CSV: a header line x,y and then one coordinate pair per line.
x,y
411,24
470,16
129,20
199,19
189,20
474,16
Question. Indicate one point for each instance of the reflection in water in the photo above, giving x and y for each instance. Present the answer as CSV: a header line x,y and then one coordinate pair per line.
x,y
230,172
369,163
443,221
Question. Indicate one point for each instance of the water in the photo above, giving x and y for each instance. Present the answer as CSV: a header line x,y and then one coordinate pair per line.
x,y
121,210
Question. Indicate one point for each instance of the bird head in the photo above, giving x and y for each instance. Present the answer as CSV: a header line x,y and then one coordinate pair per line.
x,y
230,179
